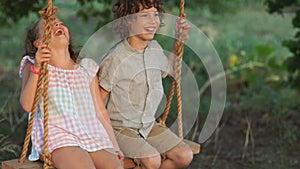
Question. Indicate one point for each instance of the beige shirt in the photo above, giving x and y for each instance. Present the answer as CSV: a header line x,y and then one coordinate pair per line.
x,y
134,80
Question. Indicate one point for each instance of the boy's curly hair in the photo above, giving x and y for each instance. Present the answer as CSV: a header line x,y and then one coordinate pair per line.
x,y
128,7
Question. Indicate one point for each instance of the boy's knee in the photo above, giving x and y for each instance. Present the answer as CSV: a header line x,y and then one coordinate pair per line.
x,y
182,155
185,156
151,162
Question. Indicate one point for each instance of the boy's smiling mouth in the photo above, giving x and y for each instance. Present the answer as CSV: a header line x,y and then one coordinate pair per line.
x,y
150,29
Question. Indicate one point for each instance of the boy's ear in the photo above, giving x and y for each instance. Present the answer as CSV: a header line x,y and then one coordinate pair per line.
x,y
128,21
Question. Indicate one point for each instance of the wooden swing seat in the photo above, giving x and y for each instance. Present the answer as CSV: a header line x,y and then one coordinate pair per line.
x,y
128,162
14,164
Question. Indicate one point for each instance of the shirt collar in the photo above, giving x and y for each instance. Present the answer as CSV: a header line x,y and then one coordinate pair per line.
x,y
128,47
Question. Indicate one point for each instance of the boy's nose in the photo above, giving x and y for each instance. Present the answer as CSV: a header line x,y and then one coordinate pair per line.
x,y
152,18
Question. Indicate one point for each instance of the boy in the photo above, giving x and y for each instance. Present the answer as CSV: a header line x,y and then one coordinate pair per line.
x,y
130,78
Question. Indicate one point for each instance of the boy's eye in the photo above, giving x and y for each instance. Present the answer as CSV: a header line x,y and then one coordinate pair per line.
x,y
144,15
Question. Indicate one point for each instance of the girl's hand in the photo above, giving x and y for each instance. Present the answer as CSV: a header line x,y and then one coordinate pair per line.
x,y
120,155
43,54
181,29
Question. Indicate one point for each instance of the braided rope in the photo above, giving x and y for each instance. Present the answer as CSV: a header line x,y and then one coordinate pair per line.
x,y
168,106
179,51
48,15
179,45
31,120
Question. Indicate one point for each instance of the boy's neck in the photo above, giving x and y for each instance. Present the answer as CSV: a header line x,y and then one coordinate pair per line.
x,y
137,43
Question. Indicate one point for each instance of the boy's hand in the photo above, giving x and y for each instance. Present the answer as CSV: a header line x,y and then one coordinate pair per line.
x,y
182,29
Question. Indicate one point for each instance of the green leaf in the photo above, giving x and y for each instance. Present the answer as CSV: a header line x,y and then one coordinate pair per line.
x,y
264,51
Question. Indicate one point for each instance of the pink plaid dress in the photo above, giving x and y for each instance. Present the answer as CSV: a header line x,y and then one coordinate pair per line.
x,y
72,115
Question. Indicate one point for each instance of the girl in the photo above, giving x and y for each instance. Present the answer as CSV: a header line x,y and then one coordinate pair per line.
x,y
80,135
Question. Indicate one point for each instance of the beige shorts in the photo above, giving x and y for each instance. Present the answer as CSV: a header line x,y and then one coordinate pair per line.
x,y
160,140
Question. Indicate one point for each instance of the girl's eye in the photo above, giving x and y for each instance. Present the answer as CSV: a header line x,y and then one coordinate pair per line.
x,y
58,23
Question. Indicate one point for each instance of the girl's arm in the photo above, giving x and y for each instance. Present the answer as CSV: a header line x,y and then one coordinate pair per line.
x,y
30,79
102,113
29,85
104,94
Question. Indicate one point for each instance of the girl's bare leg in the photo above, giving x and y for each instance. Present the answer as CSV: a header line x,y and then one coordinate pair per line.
x,y
72,157
104,159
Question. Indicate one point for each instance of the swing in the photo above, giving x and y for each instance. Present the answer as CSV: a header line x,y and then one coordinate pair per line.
x,y
48,14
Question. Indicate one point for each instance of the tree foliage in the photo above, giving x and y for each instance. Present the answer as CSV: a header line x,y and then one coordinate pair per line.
x,y
12,11
292,63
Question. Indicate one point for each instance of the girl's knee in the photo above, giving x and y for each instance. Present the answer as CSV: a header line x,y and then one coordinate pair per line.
x,y
71,157
119,167
116,165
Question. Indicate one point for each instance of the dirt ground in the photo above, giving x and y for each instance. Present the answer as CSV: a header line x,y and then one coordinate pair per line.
x,y
265,150
226,148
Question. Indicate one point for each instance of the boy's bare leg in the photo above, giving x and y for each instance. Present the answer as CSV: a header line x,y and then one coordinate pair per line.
x,y
153,162
77,158
178,157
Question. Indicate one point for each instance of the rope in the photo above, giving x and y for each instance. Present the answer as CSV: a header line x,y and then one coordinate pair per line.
x,y
48,15
179,45
168,106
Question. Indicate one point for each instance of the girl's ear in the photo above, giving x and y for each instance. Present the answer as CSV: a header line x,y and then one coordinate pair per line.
x,y
37,43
